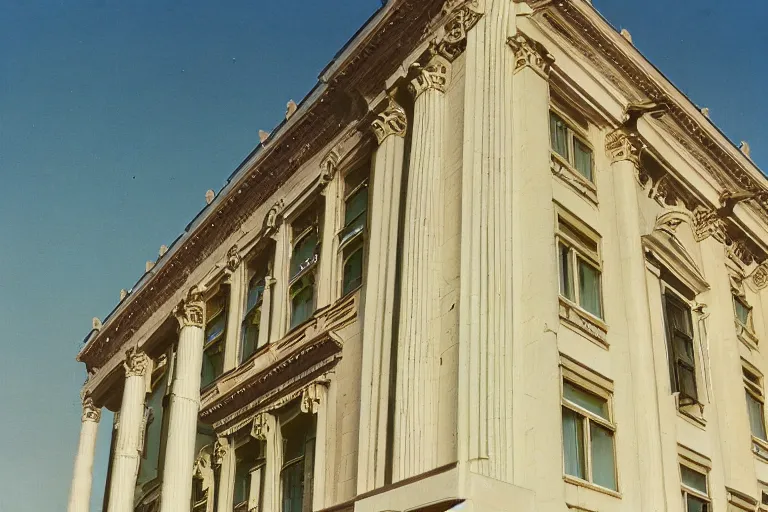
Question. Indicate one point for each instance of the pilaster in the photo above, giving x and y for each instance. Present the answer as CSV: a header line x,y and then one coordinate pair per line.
x,y
279,302
224,458
82,480
238,281
184,405
125,463
327,280
386,189
266,428
416,398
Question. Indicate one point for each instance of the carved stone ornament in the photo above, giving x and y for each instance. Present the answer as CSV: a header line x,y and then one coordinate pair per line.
x,y
392,121
90,411
462,16
706,223
233,258
273,217
432,76
191,311
311,397
220,450
136,363
329,166
530,53
260,427
621,146
760,276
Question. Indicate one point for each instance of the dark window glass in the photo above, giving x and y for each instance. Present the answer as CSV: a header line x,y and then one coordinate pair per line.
x,y
353,271
566,274
304,254
583,158
681,348
302,299
558,132
298,463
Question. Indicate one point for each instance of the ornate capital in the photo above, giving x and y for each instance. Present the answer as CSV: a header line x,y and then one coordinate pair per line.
x,y
392,121
621,146
136,363
220,450
233,258
191,311
432,76
311,397
90,411
273,217
260,427
328,167
462,16
532,54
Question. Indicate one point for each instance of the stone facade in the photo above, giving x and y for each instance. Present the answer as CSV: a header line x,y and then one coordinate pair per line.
x,y
501,265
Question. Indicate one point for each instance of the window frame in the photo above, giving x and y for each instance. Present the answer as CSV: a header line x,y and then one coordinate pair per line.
x,y
263,260
259,463
310,265
358,242
686,490
292,413
578,250
220,289
572,134
755,388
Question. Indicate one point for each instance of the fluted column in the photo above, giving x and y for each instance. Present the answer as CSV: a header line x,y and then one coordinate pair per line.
x,y
82,480
125,463
386,188
416,398
184,406
224,457
485,308
624,151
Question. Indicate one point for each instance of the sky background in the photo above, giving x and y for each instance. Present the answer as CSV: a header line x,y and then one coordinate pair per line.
x,y
116,117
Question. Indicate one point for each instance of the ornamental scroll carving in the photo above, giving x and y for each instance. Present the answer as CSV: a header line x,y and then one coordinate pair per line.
x,y
260,426
273,217
233,258
531,53
311,397
392,121
621,146
191,311
432,76
462,16
136,363
90,411
220,450
329,166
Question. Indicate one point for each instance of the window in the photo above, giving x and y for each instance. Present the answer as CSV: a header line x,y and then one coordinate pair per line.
x,y
149,465
753,388
682,357
306,231
743,312
297,473
252,322
588,437
695,490
215,336
579,264
249,476
351,238
199,495
570,147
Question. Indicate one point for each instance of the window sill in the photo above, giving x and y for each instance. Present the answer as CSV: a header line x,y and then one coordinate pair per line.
x,y
584,323
693,413
573,178
589,485
746,336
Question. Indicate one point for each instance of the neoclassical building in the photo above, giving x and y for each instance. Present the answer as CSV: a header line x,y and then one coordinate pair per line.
x,y
494,261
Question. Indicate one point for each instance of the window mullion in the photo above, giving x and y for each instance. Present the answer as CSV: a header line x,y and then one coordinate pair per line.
x,y
588,449
574,262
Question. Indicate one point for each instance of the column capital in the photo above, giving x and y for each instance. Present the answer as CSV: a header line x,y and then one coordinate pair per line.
x,y
261,426
191,311
530,53
434,75
136,363
392,121
622,145
90,411
233,258
220,450
312,396
462,15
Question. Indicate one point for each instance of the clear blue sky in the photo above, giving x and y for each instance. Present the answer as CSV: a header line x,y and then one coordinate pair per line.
x,y
116,117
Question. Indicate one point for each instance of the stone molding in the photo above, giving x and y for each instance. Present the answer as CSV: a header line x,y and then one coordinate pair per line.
x,y
462,16
624,146
531,53
433,76
191,311
136,363
90,411
392,121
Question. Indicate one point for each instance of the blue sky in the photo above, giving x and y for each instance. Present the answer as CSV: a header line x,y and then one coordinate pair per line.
x,y
116,117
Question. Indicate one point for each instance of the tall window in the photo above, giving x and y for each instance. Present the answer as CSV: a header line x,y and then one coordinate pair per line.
x,y
695,490
252,322
570,147
306,231
351,238
743,312
199,495
149,465
588,437
579,264
215,337
681,348
297,474
753,387
249,476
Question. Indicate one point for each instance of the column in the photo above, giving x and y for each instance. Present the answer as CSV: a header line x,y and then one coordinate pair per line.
x,y
125,464
266,428
624,151
315,401
224,457
184,406
416,397
82,480
485,331
386,187
536,382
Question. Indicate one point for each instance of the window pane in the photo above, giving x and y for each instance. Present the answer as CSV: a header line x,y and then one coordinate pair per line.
x,y
583,159
686,376
589,289
356,206
679,315
742,312
593,403
756,418
303,253
696,505
293,486
353,271
148,469
255,291
566,276
693,479
251,326
683,346
213,364
302,300
558,133
573,444
603,465
215,327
